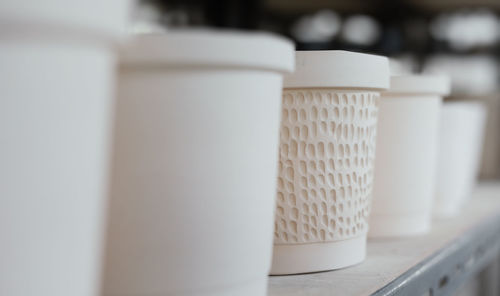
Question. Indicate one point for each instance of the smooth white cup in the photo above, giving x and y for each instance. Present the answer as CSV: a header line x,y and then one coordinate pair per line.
x,y
460,146
194,169
57,75
405,164
327,149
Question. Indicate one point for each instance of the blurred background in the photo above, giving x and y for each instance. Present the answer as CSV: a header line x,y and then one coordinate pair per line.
x,y
460,38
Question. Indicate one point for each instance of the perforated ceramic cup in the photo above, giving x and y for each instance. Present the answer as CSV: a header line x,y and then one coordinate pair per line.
x,y
194,170
57,70
460,145
327,148
405,165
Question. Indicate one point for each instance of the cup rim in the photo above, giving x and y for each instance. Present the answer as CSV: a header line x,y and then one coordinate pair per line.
x,y
339,69
187,48
420,84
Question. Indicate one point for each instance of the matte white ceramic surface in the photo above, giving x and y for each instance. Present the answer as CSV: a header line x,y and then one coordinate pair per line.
x,y
57,80
55,130
462,128
405,165
338,68
194,170
96,18
327,150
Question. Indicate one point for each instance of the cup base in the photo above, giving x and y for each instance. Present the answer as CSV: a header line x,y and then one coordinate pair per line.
x,y
399,225
303,258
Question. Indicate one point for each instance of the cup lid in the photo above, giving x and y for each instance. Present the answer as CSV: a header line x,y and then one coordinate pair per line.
x,y
339,69
207,48
420,84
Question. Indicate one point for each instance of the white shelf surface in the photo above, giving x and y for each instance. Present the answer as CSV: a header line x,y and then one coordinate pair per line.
x,y
395,266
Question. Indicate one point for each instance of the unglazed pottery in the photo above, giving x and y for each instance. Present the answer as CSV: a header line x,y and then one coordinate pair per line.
x,y
327,149
460,145
57,68
194,170
407,145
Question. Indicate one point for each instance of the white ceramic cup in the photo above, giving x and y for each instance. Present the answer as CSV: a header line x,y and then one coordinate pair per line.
x,y
405,165
462,129
57,76
194,170
327,149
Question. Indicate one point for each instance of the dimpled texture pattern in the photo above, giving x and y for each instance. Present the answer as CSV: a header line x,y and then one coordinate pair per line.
x,y
327,150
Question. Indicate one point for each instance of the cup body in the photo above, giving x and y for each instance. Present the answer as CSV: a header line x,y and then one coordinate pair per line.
x,y
55,115
462,129
327,150
405,165
194,178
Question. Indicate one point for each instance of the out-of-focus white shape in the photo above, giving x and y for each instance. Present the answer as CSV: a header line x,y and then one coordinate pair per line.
x,y
146,19
92,17
439,26
402,65
477,74
461,140
322,26
57,68
360,30
465,30
407,146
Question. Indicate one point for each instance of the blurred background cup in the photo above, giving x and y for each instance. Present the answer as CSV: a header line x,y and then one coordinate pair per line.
x,y
461,139
194,169
475,78
407,147
57,73
327,150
